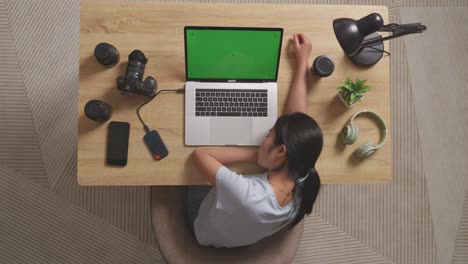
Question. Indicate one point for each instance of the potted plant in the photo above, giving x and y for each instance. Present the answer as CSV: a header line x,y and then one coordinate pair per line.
x,y
352,91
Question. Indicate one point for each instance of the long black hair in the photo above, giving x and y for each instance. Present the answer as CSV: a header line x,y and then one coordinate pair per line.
x,y
303,139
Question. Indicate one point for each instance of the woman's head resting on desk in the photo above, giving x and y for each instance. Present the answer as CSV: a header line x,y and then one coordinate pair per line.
x,y
295,142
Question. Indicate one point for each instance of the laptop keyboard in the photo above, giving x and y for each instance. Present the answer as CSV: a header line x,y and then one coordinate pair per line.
x,y
231,102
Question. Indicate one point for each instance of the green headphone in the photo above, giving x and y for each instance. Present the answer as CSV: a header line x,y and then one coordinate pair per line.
x,y
350,133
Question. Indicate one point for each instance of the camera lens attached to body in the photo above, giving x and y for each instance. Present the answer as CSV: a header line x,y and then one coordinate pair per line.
x,y
132,82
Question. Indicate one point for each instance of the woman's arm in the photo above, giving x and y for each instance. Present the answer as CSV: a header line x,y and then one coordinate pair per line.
x,y
297,96
209,159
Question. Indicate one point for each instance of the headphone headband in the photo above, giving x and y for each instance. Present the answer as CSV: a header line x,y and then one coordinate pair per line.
x,y
381,122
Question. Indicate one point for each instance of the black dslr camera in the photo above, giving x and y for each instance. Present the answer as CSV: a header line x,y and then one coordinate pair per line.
x,y
132,83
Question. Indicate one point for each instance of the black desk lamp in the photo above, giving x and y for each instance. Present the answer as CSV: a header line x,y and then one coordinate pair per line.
x,y
359,41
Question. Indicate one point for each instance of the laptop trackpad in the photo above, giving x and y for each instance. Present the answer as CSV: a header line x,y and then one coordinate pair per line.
x,y
231,131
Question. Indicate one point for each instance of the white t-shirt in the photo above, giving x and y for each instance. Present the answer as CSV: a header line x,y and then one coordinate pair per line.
x,y
239,211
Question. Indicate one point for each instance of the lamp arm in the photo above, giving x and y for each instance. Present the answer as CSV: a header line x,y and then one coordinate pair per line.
x,y
397,31
396,28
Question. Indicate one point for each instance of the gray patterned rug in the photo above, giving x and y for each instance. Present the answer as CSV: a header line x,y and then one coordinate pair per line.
x,y
438,61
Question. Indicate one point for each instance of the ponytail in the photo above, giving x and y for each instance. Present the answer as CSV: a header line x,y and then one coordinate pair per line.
x,y
305,193
303,139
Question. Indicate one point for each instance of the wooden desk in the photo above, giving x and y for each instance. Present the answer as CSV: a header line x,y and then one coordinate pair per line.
x,y
157,29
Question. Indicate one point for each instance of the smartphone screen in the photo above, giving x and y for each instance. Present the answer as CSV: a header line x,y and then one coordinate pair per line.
x,y
117,143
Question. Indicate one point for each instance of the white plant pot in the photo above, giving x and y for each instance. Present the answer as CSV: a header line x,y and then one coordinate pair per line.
x,y
340,95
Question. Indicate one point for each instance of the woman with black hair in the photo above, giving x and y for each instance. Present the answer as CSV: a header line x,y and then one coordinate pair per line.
x,y
242,209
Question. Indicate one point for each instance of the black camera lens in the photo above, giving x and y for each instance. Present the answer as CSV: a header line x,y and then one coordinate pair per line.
x,y
323,66
98,110
106,54
137,55
136,64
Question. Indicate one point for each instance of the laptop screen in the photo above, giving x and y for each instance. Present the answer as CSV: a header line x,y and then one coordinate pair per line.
x,y
241,54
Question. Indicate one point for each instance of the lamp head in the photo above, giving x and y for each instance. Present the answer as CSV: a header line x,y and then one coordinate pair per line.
x,y
351,33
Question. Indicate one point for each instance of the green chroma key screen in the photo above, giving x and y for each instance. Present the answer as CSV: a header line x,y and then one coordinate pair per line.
x,y
232,53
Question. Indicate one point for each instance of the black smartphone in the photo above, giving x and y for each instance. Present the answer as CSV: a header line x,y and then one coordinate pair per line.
x,y
117,143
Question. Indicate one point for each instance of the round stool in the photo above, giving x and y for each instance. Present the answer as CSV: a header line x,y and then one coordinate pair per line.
x,y
178,245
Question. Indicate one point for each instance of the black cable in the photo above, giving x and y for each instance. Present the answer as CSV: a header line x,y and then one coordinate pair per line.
x,y
374,48
181,90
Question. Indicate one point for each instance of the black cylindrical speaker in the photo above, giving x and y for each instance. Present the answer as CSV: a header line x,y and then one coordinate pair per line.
x,y
323,66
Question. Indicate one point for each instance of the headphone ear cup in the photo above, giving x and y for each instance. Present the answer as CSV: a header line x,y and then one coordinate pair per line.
x,y
349,134
365,150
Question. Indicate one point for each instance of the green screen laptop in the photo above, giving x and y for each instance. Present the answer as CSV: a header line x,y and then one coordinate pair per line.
x,y
231,91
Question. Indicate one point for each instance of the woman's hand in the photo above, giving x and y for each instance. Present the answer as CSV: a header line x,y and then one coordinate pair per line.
x,y
302,49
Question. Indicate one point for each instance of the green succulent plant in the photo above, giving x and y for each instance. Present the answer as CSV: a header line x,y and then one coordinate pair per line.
x,y
353,91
